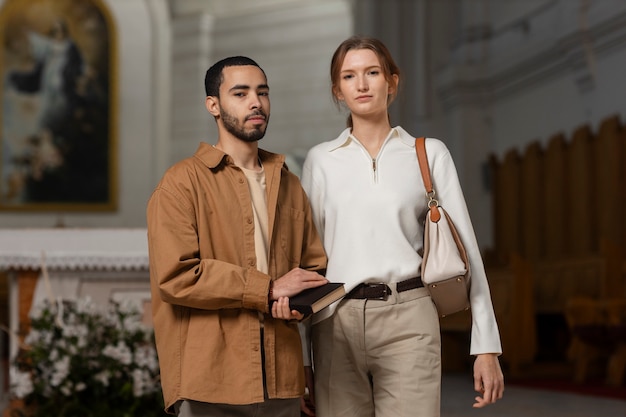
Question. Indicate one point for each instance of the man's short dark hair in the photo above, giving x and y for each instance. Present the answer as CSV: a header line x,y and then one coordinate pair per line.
x,y
214,75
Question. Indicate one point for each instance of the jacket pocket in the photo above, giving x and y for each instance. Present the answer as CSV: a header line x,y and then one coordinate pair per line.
x,y
291,234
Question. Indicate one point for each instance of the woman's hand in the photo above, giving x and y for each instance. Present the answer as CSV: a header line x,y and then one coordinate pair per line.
x,y
488,379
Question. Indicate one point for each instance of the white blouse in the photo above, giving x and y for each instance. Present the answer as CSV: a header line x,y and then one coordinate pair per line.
x,y
370,214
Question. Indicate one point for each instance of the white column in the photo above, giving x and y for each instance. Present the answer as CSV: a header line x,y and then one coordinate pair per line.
x,y
194,39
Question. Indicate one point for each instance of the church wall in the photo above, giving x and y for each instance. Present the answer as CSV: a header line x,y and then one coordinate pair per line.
x,y
526,78
569,78
550,69
292,41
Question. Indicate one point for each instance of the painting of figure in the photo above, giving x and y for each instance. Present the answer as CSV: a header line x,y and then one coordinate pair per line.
x,y
56,118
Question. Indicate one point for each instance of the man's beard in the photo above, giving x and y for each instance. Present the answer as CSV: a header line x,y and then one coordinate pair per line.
x,y
236,129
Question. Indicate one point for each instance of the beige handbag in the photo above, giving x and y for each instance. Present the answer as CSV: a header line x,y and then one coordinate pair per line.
x,y
445,267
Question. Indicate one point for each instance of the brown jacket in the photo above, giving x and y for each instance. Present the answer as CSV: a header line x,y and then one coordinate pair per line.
x,y
208,296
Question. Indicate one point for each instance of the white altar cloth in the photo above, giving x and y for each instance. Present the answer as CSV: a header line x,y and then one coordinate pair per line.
x,y
74,248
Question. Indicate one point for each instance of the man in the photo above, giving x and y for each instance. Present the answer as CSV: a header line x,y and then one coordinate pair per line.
x,y
230,232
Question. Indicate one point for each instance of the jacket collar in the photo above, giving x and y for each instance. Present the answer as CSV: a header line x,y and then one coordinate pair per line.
x,y
212,157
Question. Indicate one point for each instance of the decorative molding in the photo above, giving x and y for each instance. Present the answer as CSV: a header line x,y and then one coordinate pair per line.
x,y
525,65
223,8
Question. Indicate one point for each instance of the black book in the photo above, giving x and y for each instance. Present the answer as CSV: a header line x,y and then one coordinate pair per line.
x,y
313,300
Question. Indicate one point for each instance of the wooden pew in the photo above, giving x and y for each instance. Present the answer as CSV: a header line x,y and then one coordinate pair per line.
x,y
559,207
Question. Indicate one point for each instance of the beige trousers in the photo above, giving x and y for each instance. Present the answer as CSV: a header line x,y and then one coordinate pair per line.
x,y
379,358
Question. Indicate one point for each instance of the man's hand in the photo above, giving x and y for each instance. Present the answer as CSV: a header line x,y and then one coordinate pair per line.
x,y
289,285
307,403
295,281
280,310
488,379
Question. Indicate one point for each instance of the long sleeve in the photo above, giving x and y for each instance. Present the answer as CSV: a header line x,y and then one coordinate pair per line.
x,y
485,337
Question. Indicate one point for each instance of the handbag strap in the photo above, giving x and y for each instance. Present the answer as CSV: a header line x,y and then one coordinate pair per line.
x,y
422,159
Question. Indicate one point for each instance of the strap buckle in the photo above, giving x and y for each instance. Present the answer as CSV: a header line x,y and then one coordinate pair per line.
x,y
382,289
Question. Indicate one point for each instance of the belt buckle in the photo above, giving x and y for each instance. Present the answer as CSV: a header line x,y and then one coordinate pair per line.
x,y
386,290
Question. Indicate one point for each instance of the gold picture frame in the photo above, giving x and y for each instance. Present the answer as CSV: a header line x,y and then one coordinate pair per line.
x,y
58,127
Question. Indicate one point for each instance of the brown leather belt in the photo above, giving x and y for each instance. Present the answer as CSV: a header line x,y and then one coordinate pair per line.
x,y
381,291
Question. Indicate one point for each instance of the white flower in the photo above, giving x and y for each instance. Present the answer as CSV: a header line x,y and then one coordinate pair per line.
x,y
39,337
85,305
139,382
120,352
60,372
146,357
103,377
37,310
66,389
62,343
21,383
76,348
131,325
128,307
143,383
33,337
78,331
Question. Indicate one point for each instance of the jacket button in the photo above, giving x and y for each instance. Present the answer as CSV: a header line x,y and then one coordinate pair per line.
x,y
249,220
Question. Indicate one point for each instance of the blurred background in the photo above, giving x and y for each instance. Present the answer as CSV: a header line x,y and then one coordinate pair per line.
x,y
529,95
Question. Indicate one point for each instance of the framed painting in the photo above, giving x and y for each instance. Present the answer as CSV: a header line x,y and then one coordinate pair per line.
x,y
57,112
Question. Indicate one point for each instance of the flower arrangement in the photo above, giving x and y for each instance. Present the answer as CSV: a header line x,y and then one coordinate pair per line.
x,y
79,360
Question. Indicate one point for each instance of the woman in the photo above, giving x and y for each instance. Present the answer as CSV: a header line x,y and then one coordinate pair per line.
x,y
378,351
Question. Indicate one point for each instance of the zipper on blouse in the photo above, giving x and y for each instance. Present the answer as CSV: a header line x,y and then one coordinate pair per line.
x,y
374,160
374,167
